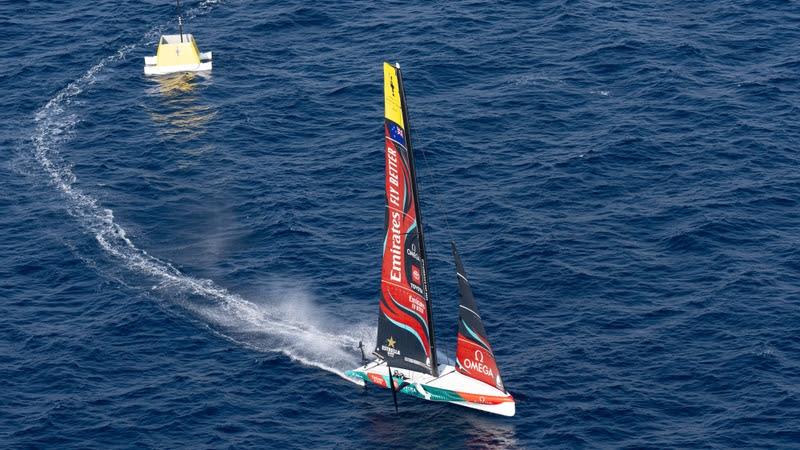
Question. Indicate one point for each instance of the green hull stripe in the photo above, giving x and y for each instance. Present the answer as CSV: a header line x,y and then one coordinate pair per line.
x,y
436,394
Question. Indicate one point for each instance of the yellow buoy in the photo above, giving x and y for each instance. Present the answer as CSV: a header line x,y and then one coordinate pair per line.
x,y
177,53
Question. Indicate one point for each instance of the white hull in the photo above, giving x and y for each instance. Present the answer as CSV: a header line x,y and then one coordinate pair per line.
x,y
450,386
150,67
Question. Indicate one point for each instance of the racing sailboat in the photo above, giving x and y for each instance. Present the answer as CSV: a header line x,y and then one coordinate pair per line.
x,y
405,354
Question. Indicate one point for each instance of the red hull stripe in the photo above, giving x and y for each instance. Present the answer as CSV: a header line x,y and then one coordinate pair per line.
x,y
485,399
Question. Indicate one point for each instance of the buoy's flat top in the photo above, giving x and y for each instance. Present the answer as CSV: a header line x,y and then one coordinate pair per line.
x,y
176,38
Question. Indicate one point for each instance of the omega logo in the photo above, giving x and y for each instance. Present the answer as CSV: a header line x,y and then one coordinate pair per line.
x,y
478,364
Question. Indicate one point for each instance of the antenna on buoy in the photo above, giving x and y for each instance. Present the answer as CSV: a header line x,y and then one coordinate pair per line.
x,y
180,20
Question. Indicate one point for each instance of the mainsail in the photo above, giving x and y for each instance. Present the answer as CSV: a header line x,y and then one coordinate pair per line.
x,y
474,356
405,326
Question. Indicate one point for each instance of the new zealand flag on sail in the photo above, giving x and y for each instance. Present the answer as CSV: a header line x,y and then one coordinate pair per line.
x,y
396,133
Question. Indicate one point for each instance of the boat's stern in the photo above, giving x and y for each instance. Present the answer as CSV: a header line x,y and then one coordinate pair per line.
x,y
375,372
357,374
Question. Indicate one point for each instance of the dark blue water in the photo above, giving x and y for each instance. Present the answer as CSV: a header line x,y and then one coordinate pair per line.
x,y
189,262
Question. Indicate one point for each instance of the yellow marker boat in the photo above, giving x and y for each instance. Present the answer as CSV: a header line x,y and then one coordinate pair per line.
x,y
177,53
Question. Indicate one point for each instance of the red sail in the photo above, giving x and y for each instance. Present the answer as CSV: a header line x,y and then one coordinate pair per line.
x,y
477,361
404,329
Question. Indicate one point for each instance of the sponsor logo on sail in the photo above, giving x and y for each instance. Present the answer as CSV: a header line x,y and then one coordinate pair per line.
x,y
389,348
415,277
393,197
412,252
478,365
416,304
419,363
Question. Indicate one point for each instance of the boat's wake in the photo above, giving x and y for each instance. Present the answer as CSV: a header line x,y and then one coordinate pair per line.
x,y
288,326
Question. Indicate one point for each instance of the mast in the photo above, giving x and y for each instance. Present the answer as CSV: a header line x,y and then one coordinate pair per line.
x,y
413,170
180,20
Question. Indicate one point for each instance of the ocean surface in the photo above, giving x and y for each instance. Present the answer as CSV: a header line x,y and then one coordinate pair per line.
x,y
191,261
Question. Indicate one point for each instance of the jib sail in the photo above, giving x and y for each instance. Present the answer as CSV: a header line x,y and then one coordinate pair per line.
x,y
474,356
405,328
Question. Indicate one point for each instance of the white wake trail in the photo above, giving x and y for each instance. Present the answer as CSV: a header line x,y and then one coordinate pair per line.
x,y
287,326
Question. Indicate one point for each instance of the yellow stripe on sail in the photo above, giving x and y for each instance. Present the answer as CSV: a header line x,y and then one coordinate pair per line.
x,y
391,95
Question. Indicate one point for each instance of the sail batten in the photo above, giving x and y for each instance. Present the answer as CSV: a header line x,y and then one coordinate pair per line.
x,y
405,328
474,355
